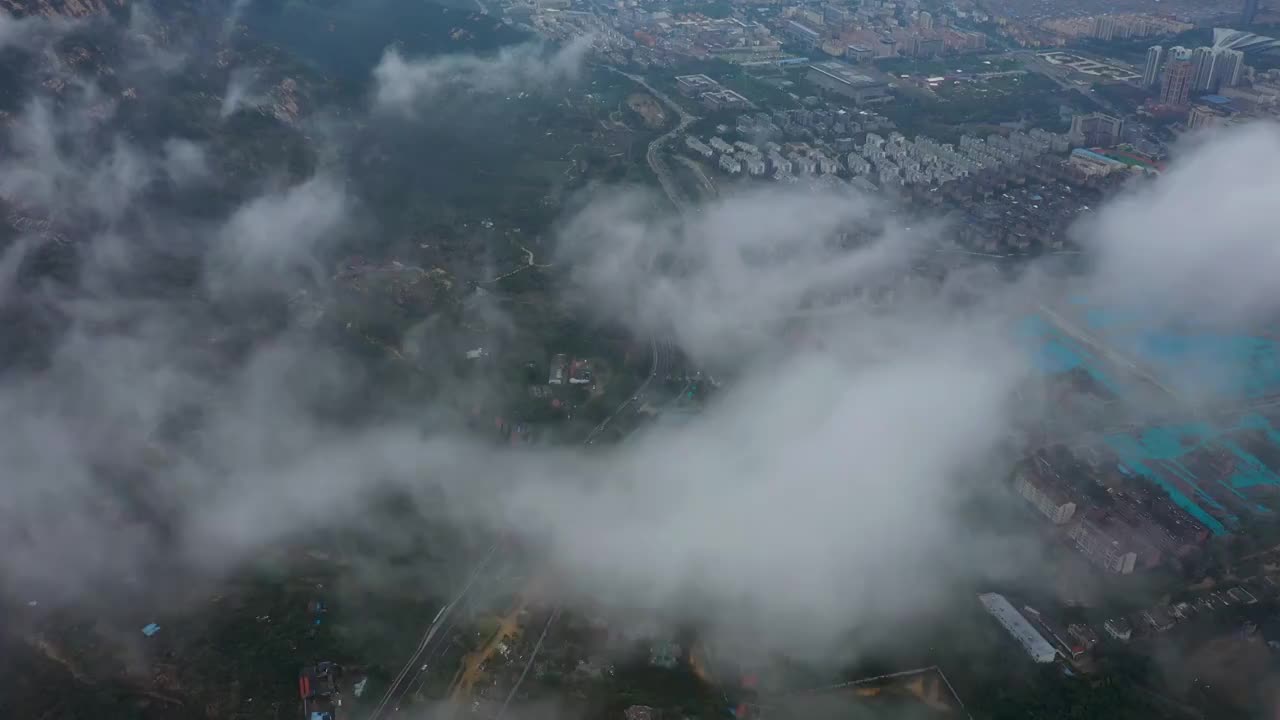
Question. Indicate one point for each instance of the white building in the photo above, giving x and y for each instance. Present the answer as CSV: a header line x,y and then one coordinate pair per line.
x,y
699,147
1031,640
558,364
1052,501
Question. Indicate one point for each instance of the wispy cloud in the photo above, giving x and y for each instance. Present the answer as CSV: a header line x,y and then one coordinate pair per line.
x,y
409,86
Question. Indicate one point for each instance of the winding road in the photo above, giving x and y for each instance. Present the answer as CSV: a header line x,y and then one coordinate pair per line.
x,y
657,163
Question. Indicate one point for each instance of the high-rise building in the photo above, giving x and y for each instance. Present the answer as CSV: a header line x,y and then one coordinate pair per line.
x,y
1249,12
1176,87
1096,130
1151,71
1104,27
1201,68
1227,66
924,20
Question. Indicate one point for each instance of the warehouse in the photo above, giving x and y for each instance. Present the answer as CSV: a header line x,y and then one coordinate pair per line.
x,y
1032,641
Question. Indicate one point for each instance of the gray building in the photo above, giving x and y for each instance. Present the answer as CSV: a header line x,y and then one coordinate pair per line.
x,y
1151,71
842,79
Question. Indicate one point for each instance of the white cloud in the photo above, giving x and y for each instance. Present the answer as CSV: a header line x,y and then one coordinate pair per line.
x,y
409,86
276,233
1199,243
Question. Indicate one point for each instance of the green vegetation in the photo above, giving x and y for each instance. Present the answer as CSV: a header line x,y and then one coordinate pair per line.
x,y
966,64
712,9
1029,98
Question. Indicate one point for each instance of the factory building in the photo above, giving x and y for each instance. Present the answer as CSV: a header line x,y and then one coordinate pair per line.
x,y
842,79
1028,637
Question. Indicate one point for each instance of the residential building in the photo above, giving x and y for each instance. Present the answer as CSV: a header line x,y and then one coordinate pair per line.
x,y
1096,130
1050,499
1151,71
1104,27
1227,67
1204,116
1175,89
1201,68
1027,636
699,147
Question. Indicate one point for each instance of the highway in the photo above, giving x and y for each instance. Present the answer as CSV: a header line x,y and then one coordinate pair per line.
x,y
663,354
407,675
413,671
533,654
663,357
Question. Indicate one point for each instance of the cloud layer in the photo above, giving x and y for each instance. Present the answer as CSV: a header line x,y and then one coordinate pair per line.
x,y
824,489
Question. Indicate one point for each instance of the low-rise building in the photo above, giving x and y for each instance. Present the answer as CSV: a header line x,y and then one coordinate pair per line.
x,y
699,147
1027,636
559,365
730,164
1113,545
1118,628
1053,501
1159,618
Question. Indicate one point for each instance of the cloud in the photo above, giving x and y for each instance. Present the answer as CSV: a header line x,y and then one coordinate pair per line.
x,y
34,32
240,93
1196,244
408,86
57,163
68,162
277,233
738,269
185,162
825,488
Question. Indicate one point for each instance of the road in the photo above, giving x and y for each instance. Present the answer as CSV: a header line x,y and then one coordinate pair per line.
x,y
657,163
555,615
708,185
1084,337
663,354
1036,64
414,669
405,678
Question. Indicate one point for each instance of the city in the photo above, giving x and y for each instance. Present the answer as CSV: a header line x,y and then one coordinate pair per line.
x,y
640,359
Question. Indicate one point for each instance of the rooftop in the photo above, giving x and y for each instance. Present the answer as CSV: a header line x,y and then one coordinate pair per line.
x,y
845,73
